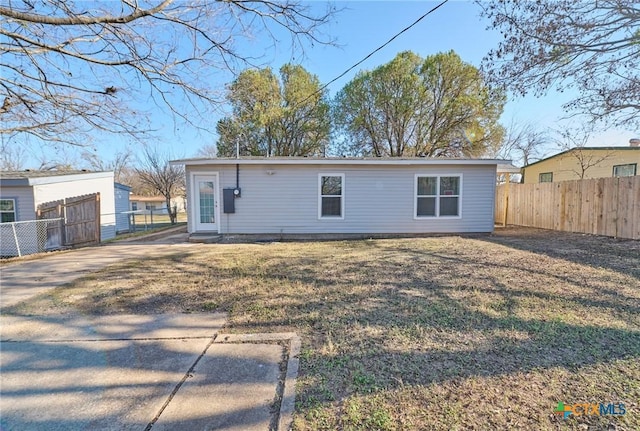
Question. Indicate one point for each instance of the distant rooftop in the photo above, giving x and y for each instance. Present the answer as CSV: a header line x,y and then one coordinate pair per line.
x,y
30,178
562,153
41,174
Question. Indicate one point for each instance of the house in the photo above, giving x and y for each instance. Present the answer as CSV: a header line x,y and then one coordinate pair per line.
x,y
155,203
21,192
292,195
122,194
585,162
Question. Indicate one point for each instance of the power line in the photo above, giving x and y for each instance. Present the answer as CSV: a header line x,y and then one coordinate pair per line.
x,y
321,89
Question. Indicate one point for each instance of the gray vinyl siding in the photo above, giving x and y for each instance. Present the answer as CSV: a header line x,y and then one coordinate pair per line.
x,y
25,207
121,205
26,232
378,199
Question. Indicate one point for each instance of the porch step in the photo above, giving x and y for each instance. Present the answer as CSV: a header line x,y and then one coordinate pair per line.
x,y
205,238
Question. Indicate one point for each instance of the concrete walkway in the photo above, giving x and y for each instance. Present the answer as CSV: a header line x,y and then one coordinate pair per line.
x,y
133,372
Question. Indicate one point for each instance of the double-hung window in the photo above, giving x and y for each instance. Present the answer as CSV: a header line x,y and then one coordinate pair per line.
x,y
331,196
438,196
7,210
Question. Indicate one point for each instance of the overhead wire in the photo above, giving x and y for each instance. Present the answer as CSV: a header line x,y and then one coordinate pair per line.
x,y
321,89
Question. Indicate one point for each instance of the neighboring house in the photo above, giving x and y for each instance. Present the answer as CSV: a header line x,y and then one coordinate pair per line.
x,y
22,191
155,203
340,195
122,193
583,163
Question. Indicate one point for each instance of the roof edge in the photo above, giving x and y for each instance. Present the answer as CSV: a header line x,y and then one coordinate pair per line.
x,y
581,148
336,161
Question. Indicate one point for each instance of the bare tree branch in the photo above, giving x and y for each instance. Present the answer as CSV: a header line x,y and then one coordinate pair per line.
x,y
593,47
69,68
156,172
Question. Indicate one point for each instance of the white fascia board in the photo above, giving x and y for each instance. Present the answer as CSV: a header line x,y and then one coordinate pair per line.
x,y
72,177
338,161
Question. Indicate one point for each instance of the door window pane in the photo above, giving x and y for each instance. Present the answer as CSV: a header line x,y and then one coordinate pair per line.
x,y
207,204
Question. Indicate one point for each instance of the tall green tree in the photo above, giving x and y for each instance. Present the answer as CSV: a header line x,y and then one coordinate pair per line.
x,y
589,46
288,116
438,106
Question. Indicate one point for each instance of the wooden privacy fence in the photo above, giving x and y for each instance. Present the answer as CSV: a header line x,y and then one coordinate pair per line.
x,y
81,218
600,206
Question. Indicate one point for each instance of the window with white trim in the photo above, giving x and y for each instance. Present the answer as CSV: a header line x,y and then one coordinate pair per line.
x,y
438,195
7,210
331,196
628,170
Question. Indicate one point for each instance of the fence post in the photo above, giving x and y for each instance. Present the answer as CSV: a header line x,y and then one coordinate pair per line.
x,y
98,236
63,224
506,200
15,238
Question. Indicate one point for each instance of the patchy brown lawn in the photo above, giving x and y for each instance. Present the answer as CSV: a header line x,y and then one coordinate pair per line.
x,y
428,333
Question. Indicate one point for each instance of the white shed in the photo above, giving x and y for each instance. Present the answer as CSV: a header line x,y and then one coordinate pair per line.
x,y
21,192
340,195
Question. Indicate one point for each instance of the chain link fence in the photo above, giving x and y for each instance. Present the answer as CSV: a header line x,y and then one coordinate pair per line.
x,y
142,220
27,237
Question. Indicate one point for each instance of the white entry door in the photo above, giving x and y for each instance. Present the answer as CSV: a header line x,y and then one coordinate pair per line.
x,y
206,202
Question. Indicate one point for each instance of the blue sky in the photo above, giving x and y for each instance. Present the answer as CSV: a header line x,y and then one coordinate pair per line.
x,y
362,26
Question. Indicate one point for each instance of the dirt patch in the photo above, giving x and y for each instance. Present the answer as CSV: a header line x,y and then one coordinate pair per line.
x,y
447,332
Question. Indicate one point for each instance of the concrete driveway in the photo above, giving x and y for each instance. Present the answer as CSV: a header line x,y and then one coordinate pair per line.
x,y
134,372
21,280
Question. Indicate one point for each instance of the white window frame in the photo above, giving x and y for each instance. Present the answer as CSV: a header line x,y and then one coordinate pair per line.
x,y
635,169
437,196
15,208
320,195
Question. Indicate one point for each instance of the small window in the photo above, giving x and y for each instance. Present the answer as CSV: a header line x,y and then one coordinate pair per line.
x,y
7,210
134,206
331,195
438,196
546,177
625,170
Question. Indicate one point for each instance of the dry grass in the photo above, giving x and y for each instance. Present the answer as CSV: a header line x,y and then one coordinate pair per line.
x,y
430,333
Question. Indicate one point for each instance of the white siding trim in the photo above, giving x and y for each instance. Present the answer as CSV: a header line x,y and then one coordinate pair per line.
x,y
438,196
342,195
